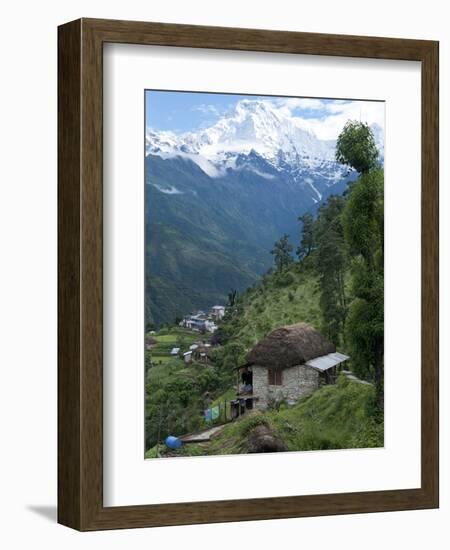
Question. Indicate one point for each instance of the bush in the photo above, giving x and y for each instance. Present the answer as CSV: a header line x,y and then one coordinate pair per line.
x,y
369,435
284,279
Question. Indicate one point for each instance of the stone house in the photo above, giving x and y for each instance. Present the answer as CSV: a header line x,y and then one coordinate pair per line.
x,y
290,363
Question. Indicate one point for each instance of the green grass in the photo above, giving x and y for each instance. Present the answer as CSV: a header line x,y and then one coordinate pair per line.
x,y
167,339
334,417
226,396
274,303
164,359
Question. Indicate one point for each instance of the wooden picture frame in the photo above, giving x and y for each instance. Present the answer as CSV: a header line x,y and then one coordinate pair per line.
x,y
80,272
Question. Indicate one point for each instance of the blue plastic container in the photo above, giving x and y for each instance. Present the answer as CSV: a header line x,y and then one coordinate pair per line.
x,y
173,442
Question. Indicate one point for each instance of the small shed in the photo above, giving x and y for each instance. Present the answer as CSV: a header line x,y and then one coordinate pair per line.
x,y
174,351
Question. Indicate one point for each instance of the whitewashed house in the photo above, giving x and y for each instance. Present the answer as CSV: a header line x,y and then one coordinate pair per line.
x,y
218,312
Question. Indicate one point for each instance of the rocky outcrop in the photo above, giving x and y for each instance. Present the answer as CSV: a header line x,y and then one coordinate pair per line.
x,y
262,439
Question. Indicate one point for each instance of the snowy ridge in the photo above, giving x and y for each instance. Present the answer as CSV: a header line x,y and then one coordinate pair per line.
x,y
256,128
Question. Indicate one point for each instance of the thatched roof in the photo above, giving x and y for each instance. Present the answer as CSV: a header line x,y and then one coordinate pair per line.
x,y
289,346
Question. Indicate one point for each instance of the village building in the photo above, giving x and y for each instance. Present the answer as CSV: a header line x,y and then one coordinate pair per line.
x,y
195,322
218,312
289,364
203,354
174,351
150,342
204,322
187,356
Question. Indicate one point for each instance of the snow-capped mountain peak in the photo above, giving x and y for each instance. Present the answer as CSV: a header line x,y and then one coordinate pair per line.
x,y
253,125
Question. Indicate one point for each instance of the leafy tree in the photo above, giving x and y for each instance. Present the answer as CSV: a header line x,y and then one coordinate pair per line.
x,y
356,147
331,263
236,352
364,230
282,252
217,338
364,217
307,242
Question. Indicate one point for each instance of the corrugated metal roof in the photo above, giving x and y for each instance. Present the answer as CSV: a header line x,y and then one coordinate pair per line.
x,y
327,361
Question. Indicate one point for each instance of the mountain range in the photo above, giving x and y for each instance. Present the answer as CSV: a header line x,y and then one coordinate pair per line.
x,y
217,199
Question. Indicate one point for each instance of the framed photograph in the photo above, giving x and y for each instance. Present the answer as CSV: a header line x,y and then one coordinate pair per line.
x,y
248,274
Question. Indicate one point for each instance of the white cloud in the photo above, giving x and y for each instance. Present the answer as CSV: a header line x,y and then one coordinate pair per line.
x,y
305,103
168,190
207,109
331,115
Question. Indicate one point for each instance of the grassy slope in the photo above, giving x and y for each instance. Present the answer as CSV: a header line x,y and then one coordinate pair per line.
x,y
279,300
334,417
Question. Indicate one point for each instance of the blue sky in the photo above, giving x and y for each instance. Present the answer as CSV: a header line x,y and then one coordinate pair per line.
x,y
181,112
187,111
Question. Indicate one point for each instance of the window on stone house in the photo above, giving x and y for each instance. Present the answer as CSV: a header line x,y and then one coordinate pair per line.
x,y
275,377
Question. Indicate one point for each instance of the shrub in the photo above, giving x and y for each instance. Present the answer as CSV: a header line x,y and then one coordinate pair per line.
x,y
369,434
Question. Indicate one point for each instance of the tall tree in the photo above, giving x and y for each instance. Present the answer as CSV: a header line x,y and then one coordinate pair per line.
x,y
331,262
282,253
356,147
363,222
363,225
307,241
232,297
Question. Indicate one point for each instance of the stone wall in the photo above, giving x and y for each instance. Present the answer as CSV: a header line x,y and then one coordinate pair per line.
x,y
297,382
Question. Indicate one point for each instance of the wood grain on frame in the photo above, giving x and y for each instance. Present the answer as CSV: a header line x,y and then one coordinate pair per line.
x,y
80,264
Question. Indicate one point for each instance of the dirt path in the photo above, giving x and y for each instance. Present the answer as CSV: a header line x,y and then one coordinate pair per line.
x,y
202,436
